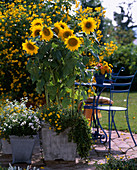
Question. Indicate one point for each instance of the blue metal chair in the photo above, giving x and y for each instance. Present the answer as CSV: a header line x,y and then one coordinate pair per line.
x,y
120,84
90,103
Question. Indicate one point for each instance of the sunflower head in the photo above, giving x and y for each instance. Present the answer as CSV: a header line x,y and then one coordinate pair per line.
x,y
36,31
66,33
37,21
63,25
30,47
46,33
72,43
57,28
88,25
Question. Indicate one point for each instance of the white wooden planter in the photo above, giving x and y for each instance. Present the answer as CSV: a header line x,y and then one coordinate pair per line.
x,y
22,148
57,146
6,147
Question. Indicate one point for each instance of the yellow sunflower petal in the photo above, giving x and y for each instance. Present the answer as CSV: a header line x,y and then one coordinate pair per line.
x,y
63,25
37,21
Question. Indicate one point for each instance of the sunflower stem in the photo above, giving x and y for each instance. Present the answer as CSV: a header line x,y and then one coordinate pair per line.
x,y
47,98
73,91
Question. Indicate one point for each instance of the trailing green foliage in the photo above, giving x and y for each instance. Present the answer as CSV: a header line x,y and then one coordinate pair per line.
x,y
113,163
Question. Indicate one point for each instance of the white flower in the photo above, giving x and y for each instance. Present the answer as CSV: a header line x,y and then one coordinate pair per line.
x,y
5,124
30,124
23,123
15,120
29,117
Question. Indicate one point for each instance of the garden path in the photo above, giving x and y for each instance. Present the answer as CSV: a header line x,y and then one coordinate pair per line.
x,y
121,147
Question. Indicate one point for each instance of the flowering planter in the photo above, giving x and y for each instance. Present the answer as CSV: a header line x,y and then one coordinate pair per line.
x,y
99,78
22,148
57,146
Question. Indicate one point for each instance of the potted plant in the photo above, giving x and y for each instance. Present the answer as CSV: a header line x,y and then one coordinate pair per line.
x,y
102,69
64,135
20,127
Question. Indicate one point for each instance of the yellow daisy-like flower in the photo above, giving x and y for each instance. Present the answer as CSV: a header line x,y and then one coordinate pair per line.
x,y
30,47
66,33
106,67
36,30
88,25
63,25
46,33
57,28
37,21
72,43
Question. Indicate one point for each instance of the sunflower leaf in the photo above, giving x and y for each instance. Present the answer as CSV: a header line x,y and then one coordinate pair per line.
x,y
40,85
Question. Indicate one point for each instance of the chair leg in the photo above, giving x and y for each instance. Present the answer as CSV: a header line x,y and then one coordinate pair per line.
x,y
115,124
127,119
109,128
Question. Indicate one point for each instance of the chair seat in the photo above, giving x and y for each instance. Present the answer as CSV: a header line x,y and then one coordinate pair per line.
x,y
112,108
102,100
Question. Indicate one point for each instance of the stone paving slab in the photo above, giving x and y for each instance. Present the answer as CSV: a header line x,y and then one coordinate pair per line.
x,y
121,147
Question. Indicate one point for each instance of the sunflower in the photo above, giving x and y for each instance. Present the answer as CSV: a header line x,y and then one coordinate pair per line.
x,y
36,30
57,28
46,33
88,25
37,21
29,47
72,43
66,33
63,25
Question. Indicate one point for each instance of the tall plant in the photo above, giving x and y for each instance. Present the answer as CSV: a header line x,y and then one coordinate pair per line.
x,y
61,46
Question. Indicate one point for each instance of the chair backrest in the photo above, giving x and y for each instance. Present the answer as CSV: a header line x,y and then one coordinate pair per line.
x,y
114,74
121,84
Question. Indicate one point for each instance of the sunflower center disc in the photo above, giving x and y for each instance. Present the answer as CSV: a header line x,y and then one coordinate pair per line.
x,y
88,25
56,30
67,34
30,46
73,42
46,32
37,32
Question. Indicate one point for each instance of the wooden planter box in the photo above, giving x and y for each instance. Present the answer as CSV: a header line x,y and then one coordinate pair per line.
x,y
57,147
22,148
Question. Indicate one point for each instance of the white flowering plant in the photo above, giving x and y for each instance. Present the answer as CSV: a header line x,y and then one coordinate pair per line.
x,y
18,120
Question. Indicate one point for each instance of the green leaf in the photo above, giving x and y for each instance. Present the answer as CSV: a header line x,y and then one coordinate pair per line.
x,y
52,91
70,81
40,85
65,102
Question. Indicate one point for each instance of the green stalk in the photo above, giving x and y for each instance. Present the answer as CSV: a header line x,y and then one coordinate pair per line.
x,y
73,92
79,94
57,96
47,98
